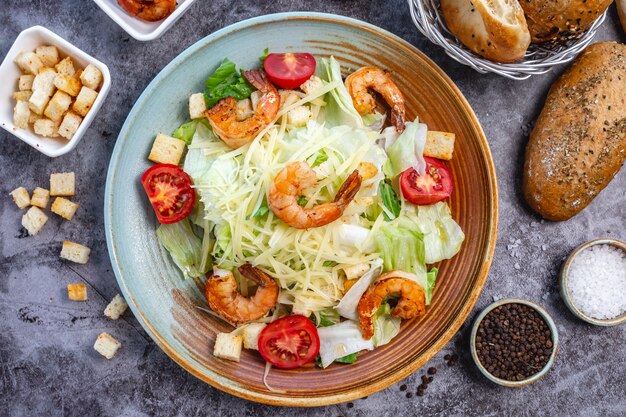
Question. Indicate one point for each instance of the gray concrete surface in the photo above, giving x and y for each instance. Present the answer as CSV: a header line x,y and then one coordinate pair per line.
x,y
47,364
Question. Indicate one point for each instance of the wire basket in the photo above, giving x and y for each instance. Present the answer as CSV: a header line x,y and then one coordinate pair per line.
x,y
539,59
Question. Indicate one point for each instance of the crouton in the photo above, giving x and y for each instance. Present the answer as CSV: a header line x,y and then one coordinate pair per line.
x,y
46,127
44,81
70,124
367,170
62,184
312,84
20,197
244,109
356,271
66,66
67,84
106,345
77,292
40,197
77,74
33,117
439,145
28,62
251,335
91,77
116,307
166,150
22,95
75,252
21,114
84,101
64,208
33,220
228,346
38,102
58,105
299,116
197,106
26,82
347,284
48,54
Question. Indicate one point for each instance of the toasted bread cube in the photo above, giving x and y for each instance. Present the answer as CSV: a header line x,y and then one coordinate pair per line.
x,y
62,184
38,102
66,66
44,81
48,54
33,220
70,124
312,84
228,346
84,101
106,345
77,292
75,252
251,335
349,283
116,307
77,74
46,127
20,197
356,271
33,117
26,82
40,197
67,84
21,114
28,62
197,106
64,208
166,150
22,95
91,77
299,116
58,105
439,145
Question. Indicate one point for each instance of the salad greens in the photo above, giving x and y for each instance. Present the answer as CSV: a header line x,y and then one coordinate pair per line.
x,y
407,151
187,250
186,131
226,81
390,201
386,327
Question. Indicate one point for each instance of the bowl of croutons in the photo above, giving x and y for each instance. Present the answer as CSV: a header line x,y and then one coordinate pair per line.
x,y
51,91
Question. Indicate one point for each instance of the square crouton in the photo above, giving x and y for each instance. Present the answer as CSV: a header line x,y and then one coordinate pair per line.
x,y
44,81
70,124
91,77
84,101
40,197
228,346
58,105
251,335
62,184
21,114
106,345
64,208
38,102
356,271
439,145
67,84
33,220
28,62
197,106
75,252
20,197
116,307
26,82
77,292
66,66
48,54
46,127
22,95
299,116
77,74
166,150
33,117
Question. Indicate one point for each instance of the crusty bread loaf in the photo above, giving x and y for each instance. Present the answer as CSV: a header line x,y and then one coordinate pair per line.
x,y
621,11
579,141
495,29
560,19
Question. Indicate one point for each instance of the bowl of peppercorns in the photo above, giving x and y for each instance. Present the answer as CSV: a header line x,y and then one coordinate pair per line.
x,y
514,342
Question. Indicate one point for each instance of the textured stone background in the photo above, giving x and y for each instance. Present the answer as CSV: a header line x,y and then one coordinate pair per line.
x,y
47,364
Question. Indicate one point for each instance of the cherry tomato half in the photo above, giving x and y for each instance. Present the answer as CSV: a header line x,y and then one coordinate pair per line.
x,y
428,189
289,342
289,70
169,190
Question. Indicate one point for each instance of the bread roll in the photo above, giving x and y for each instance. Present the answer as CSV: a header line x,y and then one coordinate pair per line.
x,y
621,11
495,29
579,141
561,19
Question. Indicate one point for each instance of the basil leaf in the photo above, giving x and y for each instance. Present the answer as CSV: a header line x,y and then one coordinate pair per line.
x,y
390,200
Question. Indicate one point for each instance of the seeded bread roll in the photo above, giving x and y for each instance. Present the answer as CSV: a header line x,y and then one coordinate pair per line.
x,y
621,11
579,141
495,29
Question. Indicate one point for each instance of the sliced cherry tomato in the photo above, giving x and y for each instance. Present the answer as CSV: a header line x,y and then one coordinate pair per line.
x,y
169,190
428,189
289,70
289,342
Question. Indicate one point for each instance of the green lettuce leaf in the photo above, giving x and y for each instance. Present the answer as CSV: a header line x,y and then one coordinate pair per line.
x,y
226,81
390,200
185,248
401,247
443,237
186,131
386,327
407,151
349,359
339,110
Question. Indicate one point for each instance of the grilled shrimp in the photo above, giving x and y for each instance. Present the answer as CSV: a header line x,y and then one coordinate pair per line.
x,y
380,81
225,299
150,10
237,133
288,186
412,302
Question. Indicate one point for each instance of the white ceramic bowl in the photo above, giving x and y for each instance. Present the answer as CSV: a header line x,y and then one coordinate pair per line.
x,y
140,29
28,40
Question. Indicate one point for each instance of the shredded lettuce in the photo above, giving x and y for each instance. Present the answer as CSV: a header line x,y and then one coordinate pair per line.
x,y
401,246
340,340
185,247
386,327
443,237
407,151
226,81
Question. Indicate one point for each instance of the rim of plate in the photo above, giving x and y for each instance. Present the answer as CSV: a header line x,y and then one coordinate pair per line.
x,y
233,387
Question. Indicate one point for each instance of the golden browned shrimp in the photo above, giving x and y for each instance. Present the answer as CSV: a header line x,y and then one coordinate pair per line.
x,y
288,186
380,81
223,116
412,302
225,299
150,10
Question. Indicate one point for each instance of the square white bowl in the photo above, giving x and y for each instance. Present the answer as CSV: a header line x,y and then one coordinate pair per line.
x,y
141,29
28,40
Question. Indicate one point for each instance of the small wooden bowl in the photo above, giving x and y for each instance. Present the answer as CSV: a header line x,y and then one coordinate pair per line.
x,y
533,378
565,294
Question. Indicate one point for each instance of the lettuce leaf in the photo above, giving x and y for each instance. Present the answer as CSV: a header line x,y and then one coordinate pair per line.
x,y
340,340
390,201
185,248
350,300
339,110
186,131
224,82
407,151
349,359
386,327
443,237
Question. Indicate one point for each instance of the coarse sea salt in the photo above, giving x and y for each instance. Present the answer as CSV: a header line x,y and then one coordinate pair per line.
x,y
597,281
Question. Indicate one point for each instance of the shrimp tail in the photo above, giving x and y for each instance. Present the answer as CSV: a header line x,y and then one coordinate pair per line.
x,y
397,118
348,189
258,79
255,275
